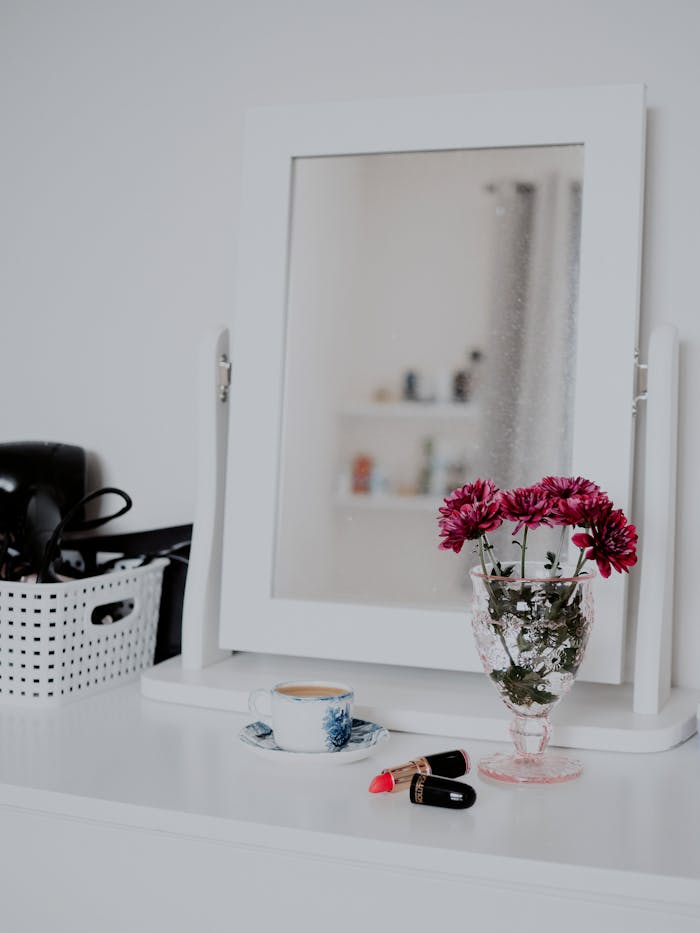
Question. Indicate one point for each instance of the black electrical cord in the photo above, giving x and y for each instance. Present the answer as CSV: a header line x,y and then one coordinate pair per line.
x,y
45,572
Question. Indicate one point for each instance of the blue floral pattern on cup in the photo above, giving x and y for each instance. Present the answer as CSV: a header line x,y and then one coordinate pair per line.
x,y
338,726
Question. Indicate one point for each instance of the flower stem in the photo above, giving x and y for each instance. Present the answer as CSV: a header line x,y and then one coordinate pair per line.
x,y
499,632
581,561
555,563
481,555
566,596
494,560
487,584
523,551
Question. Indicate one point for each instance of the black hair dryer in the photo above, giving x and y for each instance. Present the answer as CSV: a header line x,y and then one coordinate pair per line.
x,y
39,482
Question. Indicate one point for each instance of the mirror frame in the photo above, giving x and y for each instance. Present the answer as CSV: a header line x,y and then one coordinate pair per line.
x,y
610,123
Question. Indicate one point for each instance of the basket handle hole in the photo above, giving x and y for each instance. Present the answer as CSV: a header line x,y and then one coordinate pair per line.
x,y
108,613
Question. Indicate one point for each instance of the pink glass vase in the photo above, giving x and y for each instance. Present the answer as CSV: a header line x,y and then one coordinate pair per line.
x,y
531,633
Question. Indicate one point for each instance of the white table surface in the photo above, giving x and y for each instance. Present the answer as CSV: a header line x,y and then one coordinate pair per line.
x,y
630,825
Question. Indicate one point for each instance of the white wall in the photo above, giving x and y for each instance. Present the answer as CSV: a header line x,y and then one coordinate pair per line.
x,y
119,169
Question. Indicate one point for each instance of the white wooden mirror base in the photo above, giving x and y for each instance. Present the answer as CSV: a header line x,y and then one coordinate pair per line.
x,y
451,703
646,716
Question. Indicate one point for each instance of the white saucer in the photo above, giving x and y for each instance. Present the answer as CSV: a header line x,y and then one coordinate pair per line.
x,y
364,738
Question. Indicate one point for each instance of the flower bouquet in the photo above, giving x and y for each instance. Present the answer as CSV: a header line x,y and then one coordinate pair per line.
x,y
531,620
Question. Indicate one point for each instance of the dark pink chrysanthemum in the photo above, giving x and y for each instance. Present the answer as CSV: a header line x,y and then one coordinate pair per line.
x,y
583,511
481,490
560,489
468,513
564,487
527,506
468,523
611,540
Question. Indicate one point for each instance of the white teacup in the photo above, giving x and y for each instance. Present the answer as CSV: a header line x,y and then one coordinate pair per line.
x,y
306,716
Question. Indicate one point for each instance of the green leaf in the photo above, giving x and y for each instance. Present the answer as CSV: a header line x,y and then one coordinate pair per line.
x,y
523,686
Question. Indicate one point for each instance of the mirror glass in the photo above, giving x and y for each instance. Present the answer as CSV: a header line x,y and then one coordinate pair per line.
x,y
429,339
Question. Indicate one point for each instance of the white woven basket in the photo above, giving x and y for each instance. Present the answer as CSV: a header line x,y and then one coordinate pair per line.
x,y
51,647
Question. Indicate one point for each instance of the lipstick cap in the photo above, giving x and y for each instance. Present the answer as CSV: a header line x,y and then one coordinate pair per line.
x,y
440,792
449,764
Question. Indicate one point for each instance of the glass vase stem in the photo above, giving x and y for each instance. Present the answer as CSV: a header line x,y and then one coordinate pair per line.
x,y
530,735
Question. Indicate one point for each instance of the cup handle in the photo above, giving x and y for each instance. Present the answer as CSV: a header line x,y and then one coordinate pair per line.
x,y
253,705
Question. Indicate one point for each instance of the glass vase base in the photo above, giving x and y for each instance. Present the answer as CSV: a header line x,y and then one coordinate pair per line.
x,y
548,768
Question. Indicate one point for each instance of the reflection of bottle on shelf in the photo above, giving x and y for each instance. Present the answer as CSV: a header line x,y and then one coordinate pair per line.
x,y
466,380
461,386
440,472
425,474
382,395
410,386
379,482
361,474
433,476
364,477
418,387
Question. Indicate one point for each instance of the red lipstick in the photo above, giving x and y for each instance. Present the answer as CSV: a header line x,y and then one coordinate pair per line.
x,y
447,764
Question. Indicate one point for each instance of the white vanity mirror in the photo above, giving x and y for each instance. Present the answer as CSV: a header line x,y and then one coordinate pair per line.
x,y
428,290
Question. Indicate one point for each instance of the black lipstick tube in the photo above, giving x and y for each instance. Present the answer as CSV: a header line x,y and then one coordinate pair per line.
x,y
430,791
450,764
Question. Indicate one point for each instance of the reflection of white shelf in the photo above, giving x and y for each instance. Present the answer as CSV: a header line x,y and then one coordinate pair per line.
x,y
465,411
389,501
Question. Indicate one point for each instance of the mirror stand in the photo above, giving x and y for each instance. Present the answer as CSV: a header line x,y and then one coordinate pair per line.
x,y
646,716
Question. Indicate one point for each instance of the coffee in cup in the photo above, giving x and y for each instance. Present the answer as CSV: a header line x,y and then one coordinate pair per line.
x,y
306,716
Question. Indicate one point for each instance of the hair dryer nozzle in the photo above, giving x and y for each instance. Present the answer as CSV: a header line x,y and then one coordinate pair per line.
x,y
39,482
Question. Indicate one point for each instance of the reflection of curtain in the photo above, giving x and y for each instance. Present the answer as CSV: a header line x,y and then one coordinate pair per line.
x,y
528,378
